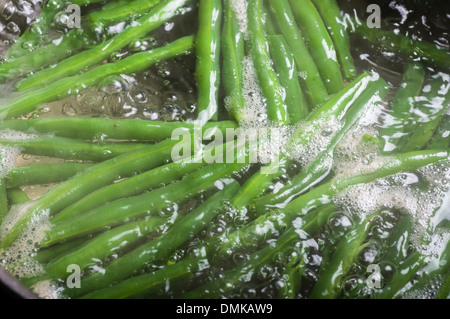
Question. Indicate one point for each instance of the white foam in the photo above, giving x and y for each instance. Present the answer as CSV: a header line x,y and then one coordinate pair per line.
x,y
46,289
240,9
18,258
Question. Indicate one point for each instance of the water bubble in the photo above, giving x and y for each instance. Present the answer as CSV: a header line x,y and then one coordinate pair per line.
x,y
9,9
13,28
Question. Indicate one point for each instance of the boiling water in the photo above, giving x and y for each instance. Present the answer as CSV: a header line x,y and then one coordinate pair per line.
x,y
167,92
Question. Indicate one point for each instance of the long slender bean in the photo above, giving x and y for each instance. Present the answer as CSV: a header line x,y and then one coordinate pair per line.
x,y
268,80
207,50
331,16
159,248
104,245
90,180
104,129
309,73
432,108
121,210
132,186
393,131
39,174
267,224
320,44
45,255
397,243
444,290
427,52
81,61
71,85
234,278
233,53
71,149
347,249
34,35
348,106
288,75
441,137
71,42
122,10
3,200
16,196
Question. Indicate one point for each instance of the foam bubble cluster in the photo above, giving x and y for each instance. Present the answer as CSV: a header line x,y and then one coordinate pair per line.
x,y
18,258
240,10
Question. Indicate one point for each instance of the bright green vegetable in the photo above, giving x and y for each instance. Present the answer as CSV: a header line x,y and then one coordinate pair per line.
x,y
396,127
37,33
163,12
331,16
441,137
320,43
122,10
348,106
16,196
120,211
431,109
38,174
104,129
207,50
233,53
72,85
234,278
288,75
132,186
155,250
70,149
90,180
310,76
344,255
267,77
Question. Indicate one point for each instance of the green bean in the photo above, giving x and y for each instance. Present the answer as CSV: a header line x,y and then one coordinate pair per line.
x,y
121,10
397,244
70,149
309,73
330,13
72,85
432,108
258,183
121,210
291,281
348,106
90,180
41,174
132,186
44,56
38,30
444,290
347,249
311,80
103,129
150,284
267,224
394,130
434,269
405,273
441,137
3,200
179,234
234,278
207,50
268,80
288,75
232,56
85,2
320,44
416,50
81,61
45,255
16,196
104,245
